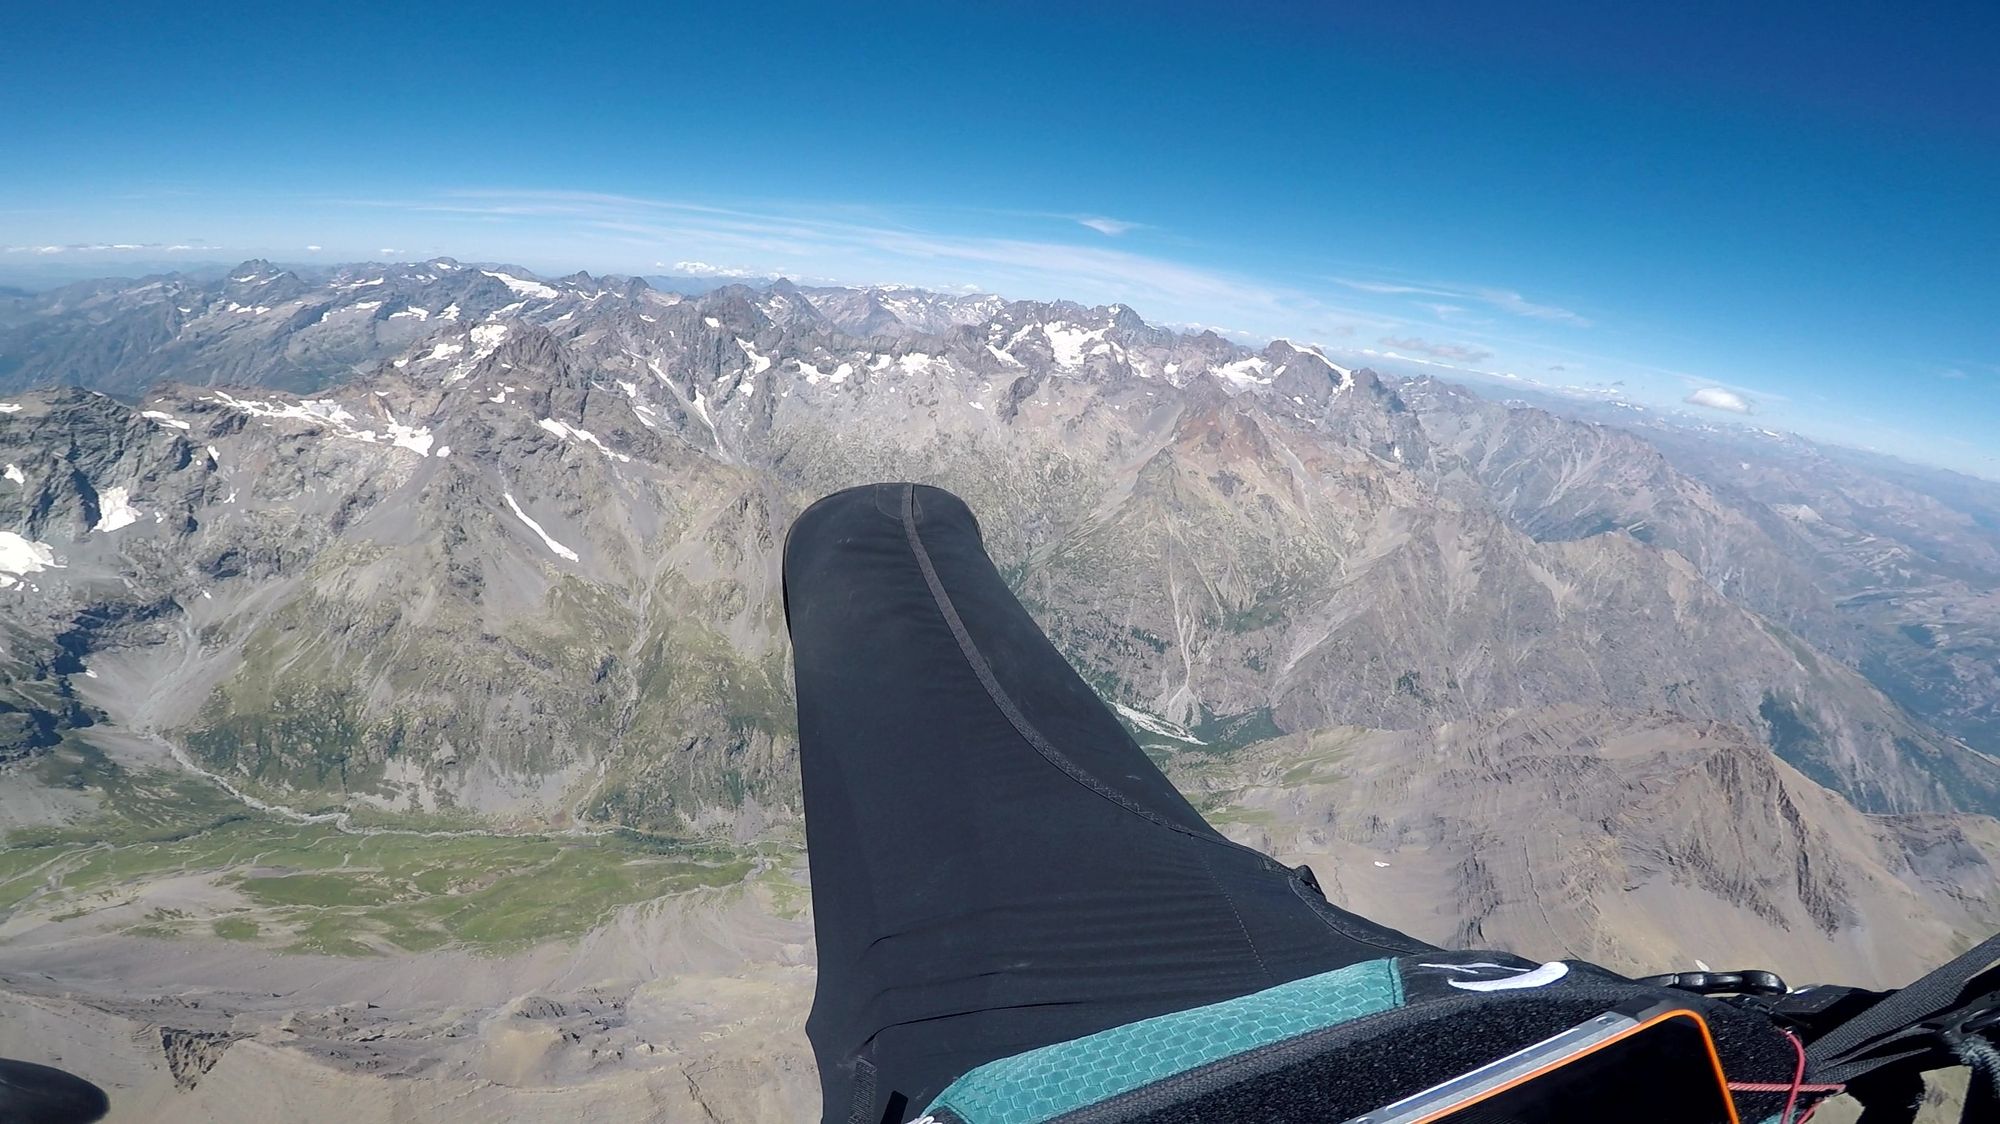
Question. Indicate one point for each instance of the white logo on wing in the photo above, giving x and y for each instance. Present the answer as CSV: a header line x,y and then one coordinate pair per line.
x,y
1523,977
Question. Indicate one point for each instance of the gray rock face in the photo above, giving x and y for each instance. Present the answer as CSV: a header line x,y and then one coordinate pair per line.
x,y
528,565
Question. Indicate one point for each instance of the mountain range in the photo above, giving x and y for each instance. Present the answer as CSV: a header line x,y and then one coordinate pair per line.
x,y
448,547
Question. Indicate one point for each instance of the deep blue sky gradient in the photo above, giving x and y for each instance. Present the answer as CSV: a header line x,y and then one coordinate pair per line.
x,y
1801,203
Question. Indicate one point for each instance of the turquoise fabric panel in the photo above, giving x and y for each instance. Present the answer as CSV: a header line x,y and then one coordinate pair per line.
x,y
1052,1080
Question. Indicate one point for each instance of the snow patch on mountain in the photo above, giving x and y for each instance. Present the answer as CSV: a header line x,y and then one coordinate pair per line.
x,y
570,432
487,337
701,408
322,410
115,510
1156,725
415,438
523,287
1246,372
329,413
1068,342
815,376
759,363
20,556
548,540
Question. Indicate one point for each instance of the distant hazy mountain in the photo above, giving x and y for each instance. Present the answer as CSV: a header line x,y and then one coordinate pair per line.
x,y
256,324
1905,557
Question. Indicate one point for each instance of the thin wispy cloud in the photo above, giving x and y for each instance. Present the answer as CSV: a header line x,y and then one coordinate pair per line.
x,y
102,247
868,245
1442,364
1718,398
1458,352
1954,374
1504,300
1383,287
1102,225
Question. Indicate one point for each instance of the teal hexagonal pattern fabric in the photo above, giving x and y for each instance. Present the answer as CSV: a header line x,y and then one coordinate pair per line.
x,y
1045,1083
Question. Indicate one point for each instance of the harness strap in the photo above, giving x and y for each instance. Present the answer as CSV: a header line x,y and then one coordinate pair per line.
x,y
1909,1024
1880,1045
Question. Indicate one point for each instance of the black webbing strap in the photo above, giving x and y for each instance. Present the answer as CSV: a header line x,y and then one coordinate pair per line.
x,y
861,1095
1918,1025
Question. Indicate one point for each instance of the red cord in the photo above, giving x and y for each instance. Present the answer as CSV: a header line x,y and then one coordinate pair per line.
x,y
1797,1087
1798,1079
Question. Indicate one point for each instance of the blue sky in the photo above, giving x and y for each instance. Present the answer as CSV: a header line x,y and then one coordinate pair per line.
x,y
1799,207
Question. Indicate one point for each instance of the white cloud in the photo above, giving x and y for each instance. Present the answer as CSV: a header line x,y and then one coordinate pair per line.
x,y
1954,373
703,269
312,249
388,250
1102,225
1717,398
